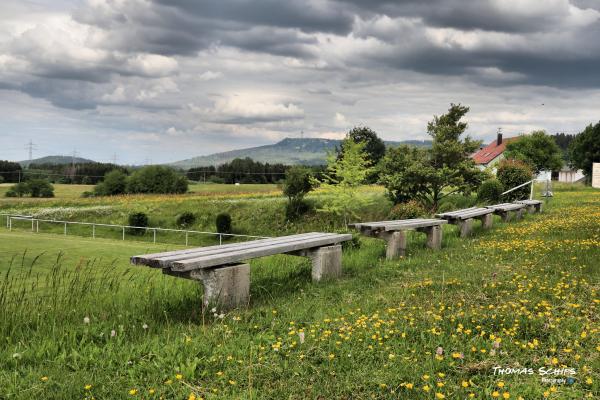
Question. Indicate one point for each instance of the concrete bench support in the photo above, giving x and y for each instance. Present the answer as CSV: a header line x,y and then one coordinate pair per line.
x,y
434,236
505,216
326,262
226,287
487,221
396,244
465,227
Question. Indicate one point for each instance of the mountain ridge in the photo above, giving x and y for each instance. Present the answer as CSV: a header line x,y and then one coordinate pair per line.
x,y
289,151
55,160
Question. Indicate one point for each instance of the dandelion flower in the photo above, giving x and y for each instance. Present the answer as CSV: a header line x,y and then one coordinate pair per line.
x,y
44,379
87,387
133,392
178,377
86,320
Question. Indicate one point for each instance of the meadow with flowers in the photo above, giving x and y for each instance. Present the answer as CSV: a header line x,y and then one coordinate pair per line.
x,y
505,314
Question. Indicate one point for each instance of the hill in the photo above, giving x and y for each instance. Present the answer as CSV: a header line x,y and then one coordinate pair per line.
x,y
290,151
56,160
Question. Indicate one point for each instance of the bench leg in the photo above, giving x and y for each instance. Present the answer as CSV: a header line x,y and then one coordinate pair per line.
x,y
465,227
487,221
396,245
228,287
519,214
505,216
538,207
531,208
326,262
434,237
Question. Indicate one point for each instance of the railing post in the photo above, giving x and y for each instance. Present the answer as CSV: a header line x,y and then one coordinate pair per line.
x,y
154,235
220,238
186,237
65,229
531,192
32,221
9,223
123,233
93,231
37,226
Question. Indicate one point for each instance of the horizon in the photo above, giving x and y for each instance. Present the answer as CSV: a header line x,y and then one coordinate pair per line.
x,y
168,81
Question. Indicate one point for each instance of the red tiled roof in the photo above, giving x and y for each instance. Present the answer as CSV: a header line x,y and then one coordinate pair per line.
x,y
491,151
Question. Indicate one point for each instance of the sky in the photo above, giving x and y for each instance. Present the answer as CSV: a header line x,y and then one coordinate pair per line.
x,y
156,81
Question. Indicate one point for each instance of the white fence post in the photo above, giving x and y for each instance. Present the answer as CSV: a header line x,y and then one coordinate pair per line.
x,y
65,229
93,231
154,236
123,233
186,238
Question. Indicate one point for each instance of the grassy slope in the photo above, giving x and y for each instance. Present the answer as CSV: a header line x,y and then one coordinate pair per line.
x,y
523,294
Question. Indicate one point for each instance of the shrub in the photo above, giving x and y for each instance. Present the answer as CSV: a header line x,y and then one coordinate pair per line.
x,y
296,208
513,173
490,191
138,219
157,179
10,193
40,188
186,219
115,182
19,190
407,210
223,223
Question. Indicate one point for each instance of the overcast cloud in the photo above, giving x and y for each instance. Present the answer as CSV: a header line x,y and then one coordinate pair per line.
x,y
164,80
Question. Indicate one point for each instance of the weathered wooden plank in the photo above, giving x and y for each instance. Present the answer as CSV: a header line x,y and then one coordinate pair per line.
x,y
506,207
407,223
246,254
416,225
159,260
465,213
529,202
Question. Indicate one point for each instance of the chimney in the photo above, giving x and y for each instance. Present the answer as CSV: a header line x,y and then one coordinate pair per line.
x,y
499,140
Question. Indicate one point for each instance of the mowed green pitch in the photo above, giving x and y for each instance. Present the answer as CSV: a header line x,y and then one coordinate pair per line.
x,y
432,325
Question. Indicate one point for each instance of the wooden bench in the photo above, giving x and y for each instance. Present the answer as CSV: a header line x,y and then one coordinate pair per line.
x,y
464,218
505,210
532,205
394,233
226,276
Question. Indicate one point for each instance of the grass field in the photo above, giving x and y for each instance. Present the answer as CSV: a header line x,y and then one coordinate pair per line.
x,y
76,321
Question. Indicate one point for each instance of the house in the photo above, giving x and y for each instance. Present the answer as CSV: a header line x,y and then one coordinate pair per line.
x,y
570,175
489,156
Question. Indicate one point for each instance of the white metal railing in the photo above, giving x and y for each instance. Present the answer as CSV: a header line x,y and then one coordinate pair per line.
x,y
520,186
35,227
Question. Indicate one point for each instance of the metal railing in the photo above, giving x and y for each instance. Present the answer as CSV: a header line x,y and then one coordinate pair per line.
x,y
531,182
35,227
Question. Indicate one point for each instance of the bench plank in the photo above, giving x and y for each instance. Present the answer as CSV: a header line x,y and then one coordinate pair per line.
x,y
506,207
161,260
465,213
402,224
236,256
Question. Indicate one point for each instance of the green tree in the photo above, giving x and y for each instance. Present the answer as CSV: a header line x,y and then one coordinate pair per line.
x,y
585,149
343,177
538,150
157,179
298,182
512,173
115,182
429,175
40,188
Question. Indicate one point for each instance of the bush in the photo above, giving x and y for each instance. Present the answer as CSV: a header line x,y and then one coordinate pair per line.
x,y
490,191
513,173
10,193
138,219
21,189
115,182
157,179
298,182
407,210
223,223
296,208
186,219
40,188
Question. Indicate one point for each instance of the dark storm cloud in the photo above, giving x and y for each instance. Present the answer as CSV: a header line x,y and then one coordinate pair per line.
x,y
309,16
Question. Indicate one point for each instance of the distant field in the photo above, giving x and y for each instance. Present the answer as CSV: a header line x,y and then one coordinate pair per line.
x,y
432,325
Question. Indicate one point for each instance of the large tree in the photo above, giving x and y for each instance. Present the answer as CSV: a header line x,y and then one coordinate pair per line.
x,y
374,146
538,150
432,174
584,150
